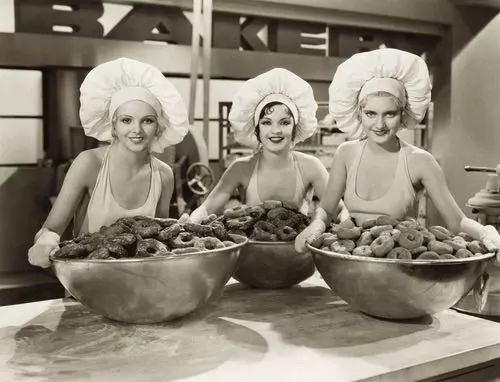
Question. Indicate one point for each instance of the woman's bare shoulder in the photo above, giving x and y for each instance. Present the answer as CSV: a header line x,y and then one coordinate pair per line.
x,y
88,163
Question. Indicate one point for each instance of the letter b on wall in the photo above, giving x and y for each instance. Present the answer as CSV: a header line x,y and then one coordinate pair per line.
x,y
76,17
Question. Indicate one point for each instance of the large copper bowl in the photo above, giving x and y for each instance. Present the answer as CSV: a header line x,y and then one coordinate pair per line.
x,y
149,290
399,289
273,265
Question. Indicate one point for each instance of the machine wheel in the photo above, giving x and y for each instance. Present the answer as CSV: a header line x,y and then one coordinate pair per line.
x,y
200,178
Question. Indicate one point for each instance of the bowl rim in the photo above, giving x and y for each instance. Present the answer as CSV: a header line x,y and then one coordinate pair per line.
x,y
270,242
127,260
484,256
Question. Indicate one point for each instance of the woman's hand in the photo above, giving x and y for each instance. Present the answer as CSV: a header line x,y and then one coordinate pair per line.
x,y
308,235
491,240
46,242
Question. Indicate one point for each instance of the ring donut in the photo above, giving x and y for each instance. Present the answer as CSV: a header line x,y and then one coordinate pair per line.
x,y
280,216
209,219
410,239
99,254
183,240
71,251
286,233
208,243
256,212
381,246
264,231
199,229
428,255
236,212
220,231
146,228
386,220
151,248
363,251
271,204
440,232
169,233
399,253
463,253
240,223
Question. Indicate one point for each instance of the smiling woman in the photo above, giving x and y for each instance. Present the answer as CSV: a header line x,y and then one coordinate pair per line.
x,y
271,113
372,96
138,111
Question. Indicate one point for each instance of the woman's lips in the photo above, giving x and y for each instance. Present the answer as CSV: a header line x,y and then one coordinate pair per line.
x,y
136,139
380,132
276,139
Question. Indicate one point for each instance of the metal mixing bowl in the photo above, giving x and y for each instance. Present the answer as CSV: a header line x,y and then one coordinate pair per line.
x,y
273,265
149,290
399,289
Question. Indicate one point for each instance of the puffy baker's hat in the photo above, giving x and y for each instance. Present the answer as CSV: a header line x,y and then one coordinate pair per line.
x,y
276,85
402,74
113,83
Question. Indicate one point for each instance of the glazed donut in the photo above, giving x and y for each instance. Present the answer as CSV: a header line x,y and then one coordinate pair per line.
x,y
324,240
286,233
209,219
114,229
446,256
415,252
475,246
256,212
169,233
236,212
151,248
407,224
71,251
124,239
208,243
366,238
393,233
411,239
378,229
183,240
349,233
165,222
428,255
126,220
220,231
386,220
264,231
349,245
381,246
146,228
439,247
339,247
465,236
98,254
280,216
399,253
427,236
198,229
369,223
456,244
441,233
463,253
185,251
115,249
93,242
271,204
363,251
241,223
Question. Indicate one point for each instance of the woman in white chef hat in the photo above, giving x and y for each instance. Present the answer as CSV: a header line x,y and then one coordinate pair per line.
x,y
271,112
372,96
134,107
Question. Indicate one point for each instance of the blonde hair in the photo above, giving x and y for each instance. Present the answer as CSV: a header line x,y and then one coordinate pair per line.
x,y
403,107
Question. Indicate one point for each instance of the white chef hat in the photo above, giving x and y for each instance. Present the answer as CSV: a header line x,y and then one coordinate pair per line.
x,y
276,85
113,83
402,74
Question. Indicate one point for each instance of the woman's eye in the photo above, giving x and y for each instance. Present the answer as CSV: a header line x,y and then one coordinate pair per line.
x,y
390,115
266,123
285,123
149,121
126,120
370,114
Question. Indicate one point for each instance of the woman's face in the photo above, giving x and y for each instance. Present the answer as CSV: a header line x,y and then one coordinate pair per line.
x,y
136,125
381,118
276,128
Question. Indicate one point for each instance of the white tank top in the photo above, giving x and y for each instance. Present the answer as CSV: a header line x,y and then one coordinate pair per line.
x,y
103,209
301,197
397,200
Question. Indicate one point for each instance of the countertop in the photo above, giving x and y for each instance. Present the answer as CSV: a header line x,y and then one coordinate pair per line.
x,y
305,333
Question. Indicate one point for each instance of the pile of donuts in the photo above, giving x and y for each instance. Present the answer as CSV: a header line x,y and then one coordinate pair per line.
x,y
272,220
141,237
386,237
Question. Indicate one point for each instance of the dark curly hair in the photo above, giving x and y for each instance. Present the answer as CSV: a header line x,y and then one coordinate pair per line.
x,y
268,109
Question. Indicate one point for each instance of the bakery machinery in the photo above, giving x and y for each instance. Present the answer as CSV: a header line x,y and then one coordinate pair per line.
x,y
485,205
